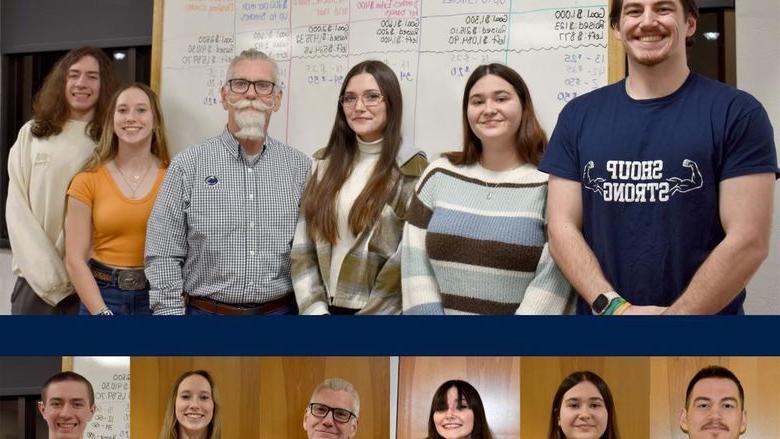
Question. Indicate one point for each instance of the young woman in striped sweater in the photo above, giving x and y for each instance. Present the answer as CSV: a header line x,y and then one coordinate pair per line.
x,y
475,240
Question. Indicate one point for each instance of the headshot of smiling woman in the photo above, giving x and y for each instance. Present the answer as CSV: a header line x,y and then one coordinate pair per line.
x,y
583,408
475,241
457,412
193,408
345,257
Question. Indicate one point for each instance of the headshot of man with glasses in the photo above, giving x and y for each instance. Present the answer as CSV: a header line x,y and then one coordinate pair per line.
x,y
219,236
333,411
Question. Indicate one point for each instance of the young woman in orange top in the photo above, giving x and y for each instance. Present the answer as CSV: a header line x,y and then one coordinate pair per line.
x,y
109,203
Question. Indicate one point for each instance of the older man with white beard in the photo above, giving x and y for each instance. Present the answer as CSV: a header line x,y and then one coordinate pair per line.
x,y
219,236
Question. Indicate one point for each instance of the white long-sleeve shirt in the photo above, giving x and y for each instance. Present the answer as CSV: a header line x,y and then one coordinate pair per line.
x,y
40,171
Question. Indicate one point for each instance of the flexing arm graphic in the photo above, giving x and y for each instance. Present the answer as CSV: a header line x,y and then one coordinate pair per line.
x,y
594,184
682,185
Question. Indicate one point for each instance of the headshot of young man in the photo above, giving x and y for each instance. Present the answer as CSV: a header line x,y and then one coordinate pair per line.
x,y
714,405
67,404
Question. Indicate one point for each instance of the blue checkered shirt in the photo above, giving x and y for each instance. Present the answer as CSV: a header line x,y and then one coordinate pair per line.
x,y
222,227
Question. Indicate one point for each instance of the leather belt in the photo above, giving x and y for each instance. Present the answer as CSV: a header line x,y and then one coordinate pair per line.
x,y
132,279
227,309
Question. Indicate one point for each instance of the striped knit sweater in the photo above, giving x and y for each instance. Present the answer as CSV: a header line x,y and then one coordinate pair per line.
x,y
475,243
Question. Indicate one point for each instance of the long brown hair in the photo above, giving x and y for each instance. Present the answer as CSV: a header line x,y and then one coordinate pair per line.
x,y
531,138
319,202
109,143
170,428
572,380
50,107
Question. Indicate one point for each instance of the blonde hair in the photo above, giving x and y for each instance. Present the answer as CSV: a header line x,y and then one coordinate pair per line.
x,y
170,427
108,145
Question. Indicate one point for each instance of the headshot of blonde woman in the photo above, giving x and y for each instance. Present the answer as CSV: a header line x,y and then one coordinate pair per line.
x,y
193,410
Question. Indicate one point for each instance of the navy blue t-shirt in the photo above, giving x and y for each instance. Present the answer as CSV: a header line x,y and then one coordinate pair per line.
x,y
650,171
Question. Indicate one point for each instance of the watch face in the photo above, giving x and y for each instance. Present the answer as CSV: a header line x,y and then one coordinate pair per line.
x,y
600,303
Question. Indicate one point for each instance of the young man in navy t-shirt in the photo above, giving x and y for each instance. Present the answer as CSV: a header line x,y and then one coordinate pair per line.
x,y
661,186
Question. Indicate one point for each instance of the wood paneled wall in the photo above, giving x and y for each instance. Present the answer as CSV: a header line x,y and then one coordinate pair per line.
x,y
261,397
628,380
760,378
497,379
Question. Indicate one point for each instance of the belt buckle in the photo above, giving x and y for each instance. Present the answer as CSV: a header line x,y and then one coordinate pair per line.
x,y
131,280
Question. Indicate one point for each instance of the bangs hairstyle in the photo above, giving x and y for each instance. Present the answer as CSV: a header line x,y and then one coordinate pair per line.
x,y
109,143
466,394
531,138
170,428
319,199
50,107
572,380
715,372
689,6
69,376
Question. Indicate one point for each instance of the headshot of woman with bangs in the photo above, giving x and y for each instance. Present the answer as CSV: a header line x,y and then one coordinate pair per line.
x,y
457,412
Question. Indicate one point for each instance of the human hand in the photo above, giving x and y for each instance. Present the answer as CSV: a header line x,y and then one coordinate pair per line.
x,y
644,310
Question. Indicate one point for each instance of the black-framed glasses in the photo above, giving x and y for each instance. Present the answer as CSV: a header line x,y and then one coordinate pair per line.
x,y
369,98
241,86
342,416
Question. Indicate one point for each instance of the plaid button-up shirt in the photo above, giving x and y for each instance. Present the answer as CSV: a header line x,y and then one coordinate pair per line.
x,y
222,227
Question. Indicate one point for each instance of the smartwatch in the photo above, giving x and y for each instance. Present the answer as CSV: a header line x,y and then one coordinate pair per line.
x,y
602,302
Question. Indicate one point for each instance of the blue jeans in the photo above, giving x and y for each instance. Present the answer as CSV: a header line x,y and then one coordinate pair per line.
x,y
122,302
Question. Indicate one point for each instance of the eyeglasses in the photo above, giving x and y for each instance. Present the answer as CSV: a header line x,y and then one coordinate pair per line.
x,y
241,86
342,416
369,98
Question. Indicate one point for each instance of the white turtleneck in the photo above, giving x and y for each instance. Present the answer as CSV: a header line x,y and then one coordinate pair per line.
x,y
365,161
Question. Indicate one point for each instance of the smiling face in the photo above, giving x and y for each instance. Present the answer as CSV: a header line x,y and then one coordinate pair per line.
x,y
82,87
194,404
327,427
133,117
66,409
368,122
583,413
457,422
714,410
654,31
494,110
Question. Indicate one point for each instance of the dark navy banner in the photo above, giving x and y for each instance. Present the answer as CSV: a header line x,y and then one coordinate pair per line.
x,y
391,335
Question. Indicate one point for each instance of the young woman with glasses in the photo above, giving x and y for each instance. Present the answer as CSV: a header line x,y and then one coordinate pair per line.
x,y
109,203
345,255
475,240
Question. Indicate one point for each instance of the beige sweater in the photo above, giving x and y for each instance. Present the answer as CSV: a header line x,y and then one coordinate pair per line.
x,y
40,172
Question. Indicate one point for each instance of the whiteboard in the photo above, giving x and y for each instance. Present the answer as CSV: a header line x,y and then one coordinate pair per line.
x,y
110,378
558,46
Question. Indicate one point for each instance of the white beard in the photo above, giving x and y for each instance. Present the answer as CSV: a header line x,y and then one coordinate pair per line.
x,y
250,118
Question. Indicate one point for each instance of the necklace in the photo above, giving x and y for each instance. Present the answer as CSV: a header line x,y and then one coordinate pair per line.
x,y
490,188
138,179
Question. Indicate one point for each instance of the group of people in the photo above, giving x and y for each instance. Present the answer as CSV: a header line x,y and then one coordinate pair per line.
x,y
582,408
658,200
